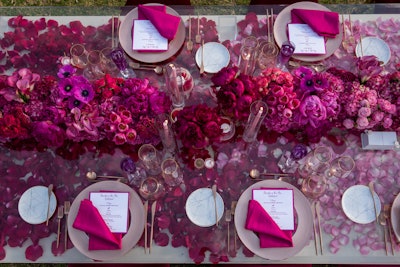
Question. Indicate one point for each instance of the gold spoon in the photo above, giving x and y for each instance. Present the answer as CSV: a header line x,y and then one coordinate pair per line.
x,y
386,212
255,174
198,36
91,175
49,192
382,221
189,44
137,66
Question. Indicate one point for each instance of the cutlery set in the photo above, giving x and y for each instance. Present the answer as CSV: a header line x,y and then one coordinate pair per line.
x,y
317,228
147,245
62,212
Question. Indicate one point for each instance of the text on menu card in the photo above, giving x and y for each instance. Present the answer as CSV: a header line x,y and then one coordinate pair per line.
x,y
147,37
278,203
114,208
306,40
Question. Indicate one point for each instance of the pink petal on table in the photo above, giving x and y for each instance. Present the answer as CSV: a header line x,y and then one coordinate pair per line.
x,y
161,239
343,240
33,252
364,250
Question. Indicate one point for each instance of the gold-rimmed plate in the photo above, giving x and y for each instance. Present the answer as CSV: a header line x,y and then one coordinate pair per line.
x,y
125,39
129,240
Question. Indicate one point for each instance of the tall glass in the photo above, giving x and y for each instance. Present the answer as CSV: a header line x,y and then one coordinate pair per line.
x,y
248,55
164,127
174,85
78,56
118,57
171,172
286,52
258,111
95,68
267,55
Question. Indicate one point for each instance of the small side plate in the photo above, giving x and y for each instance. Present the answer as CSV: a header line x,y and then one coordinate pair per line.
x,y
373,46
216,57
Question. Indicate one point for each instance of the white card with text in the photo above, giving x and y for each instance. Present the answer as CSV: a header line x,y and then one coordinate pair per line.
x,y
147,37
306,40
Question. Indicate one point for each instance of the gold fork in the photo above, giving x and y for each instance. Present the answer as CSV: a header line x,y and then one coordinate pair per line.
x,y
233,207
67,206
60,215
228,219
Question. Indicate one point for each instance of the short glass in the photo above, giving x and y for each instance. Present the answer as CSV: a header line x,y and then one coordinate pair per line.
x,y
314,186
267,55
150,158
78,56
151,188
341,167
171,172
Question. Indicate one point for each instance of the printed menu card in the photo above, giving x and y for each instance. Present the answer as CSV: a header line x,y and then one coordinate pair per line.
x,y
147,38
114,209
306,40
279,204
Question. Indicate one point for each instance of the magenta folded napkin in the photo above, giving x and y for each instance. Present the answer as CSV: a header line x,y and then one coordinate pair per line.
x,y
166,24
90,221
324,23
269,233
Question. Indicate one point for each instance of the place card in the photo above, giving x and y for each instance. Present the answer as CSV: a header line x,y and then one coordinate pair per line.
x,y
147,38
306,40
279,204
114,209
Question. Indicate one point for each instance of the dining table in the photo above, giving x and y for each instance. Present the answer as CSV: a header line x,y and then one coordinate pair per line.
x,y
52,138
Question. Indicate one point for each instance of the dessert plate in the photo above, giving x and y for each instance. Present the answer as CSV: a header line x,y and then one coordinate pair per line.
x,y
358,205
200,207
280,31
125,39
301,236
373,46
32,205
129,240
216,56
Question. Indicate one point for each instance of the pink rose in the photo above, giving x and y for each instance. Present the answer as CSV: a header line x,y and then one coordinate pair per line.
x,y
362,122
364,112
349,124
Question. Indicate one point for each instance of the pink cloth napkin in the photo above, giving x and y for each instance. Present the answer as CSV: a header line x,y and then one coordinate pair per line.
x,y
269,233
166,24
324,23
90,221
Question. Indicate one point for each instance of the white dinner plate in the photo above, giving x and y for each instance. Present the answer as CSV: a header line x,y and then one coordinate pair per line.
x,y
300,238
216,57
280,31
125,39
373,46
358,205
129,240
200,207
32,205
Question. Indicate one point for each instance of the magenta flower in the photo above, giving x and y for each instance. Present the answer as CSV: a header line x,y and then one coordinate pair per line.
x,y
312,111
66,71
66,87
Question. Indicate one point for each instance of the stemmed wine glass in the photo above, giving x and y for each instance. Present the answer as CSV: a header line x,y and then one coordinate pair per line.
x,y
341,167
317,161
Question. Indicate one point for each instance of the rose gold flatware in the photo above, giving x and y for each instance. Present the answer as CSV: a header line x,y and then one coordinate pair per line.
x,y
49,192
228,219
372,191
314,228
233,208
60,215
189,44
214,192
317,211
256,174
153,213
67,207
198,36
382,221
386,212
146,211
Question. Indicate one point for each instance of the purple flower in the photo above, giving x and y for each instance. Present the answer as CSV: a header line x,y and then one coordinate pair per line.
x,y
83,90
66,71
66,87
302,72
312,111
368,66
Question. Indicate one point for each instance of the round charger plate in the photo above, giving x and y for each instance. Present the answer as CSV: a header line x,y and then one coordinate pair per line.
x,y
216,56
129,240
358,205
125,39
280,31
395,216
304,222
374,46
32,205
200,207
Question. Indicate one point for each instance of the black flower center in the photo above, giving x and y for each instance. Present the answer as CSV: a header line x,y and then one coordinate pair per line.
x,y
68,88
85,93
76,103
309,83
66,74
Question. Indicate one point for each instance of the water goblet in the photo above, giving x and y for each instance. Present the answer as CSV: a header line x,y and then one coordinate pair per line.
x,y
267,55
150,158
341,167
248,55
171,172
314,186
285,53
94,69
317,161
78,56
151,188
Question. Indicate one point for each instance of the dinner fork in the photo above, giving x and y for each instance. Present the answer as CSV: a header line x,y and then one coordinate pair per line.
x,y
233,208
67,206
60,215
228,219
